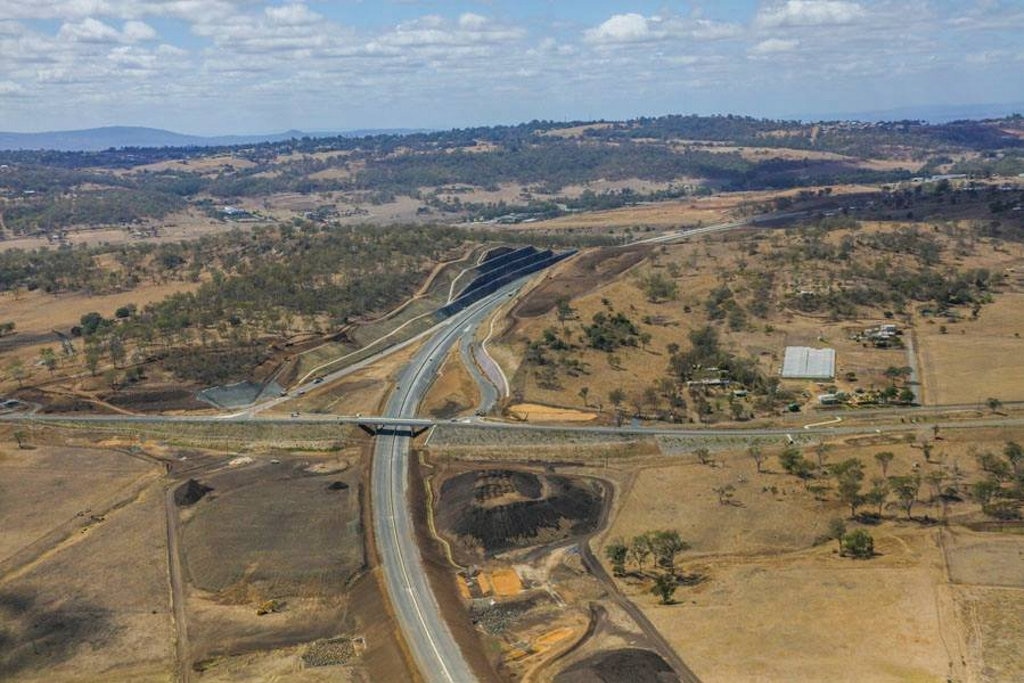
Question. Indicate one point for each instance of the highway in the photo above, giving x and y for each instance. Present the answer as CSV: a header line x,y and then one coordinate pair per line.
x,y
683,233
436,654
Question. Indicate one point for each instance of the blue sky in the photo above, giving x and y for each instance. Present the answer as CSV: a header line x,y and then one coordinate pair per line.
x,y
247,66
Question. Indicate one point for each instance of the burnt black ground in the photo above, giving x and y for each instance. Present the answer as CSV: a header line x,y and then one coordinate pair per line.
x,y
629,665
498,510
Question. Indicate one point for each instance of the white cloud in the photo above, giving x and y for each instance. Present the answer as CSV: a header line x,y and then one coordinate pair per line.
x,y
295,14
472,21
95,31
774,46
622,28
137,31
810,13
636,28
89,31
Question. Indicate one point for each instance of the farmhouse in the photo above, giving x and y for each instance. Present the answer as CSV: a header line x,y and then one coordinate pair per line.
x,y
803,362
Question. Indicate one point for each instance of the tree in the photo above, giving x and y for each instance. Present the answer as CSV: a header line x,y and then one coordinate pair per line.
x,y
584,392
906,395
640,550
703,455
93,353
821,450
725,494
935,479
755,452
883,459
994,404
878,493
906,488
984,489
16,371
793,462
564,311
616,554
666,545
19,437
656,287
849,475
665,586
617,396
1014,452
49,358
836,530
858,544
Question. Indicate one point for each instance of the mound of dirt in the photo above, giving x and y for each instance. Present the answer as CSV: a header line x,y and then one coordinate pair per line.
x,y
491,511
629,665
190,493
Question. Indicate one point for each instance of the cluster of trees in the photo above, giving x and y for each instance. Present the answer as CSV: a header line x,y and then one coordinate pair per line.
x,y
661,548
115,206
848,477
1001,490
858,543
263,287
81,270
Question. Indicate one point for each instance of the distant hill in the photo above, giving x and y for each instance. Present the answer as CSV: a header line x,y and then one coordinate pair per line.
x,y
935,114
115,137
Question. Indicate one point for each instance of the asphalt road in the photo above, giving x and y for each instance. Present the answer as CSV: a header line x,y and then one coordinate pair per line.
x,y
437,655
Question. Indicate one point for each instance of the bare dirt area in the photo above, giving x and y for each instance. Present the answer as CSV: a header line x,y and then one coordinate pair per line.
x,y
532,412
974,360
279,538
94,607
453,392
533,599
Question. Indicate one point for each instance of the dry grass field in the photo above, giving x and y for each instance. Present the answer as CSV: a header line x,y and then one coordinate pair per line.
x,y
44,488
64,615
975,359
772,605
183,225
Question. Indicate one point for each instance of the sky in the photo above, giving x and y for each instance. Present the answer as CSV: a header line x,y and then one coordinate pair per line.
x,y
213,67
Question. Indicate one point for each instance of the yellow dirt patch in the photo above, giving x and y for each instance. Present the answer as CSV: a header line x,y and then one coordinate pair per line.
x,y
484,580
463,588
506,582
552,638
534,412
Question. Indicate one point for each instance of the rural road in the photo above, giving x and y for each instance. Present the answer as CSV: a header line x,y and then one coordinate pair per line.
x,y
437,655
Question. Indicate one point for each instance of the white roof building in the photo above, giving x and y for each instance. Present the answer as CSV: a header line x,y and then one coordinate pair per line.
x,y
803,362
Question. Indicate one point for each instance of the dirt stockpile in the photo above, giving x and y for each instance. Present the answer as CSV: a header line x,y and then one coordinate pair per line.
x,y
491,511
190,493
628,665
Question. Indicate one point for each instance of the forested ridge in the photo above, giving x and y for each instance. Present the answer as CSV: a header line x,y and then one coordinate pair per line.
x,y
47,191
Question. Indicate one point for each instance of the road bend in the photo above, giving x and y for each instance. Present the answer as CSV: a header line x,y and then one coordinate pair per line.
x,y
435,651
